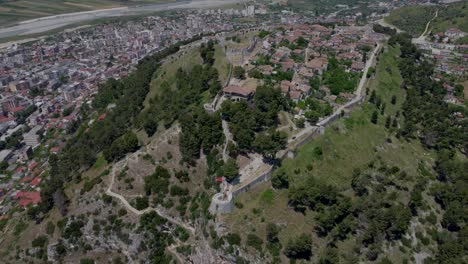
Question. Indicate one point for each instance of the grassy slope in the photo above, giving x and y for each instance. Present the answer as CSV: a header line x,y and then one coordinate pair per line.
x,y
168,70
348,144
413,19
221,64
15,11
454,16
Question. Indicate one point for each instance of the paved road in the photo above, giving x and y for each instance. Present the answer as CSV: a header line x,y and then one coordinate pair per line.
x,y
44,24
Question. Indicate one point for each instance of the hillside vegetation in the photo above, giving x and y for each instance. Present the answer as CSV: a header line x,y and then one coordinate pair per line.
x,y
413,19
369,189
452,16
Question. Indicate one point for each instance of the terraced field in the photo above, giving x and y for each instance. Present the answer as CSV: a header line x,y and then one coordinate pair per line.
x,y
15,11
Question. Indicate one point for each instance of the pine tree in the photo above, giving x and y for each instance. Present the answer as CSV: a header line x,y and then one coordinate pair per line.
x,y
382,109
375,117
372,97
388,122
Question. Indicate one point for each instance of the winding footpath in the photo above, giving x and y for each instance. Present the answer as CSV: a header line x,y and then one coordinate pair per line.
x,y
117,167
422,38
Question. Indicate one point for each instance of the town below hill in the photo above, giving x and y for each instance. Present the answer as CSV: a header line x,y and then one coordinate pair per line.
x,y
254,133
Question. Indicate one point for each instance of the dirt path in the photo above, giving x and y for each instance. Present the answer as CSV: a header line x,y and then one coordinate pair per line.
x,y
119,166
422,37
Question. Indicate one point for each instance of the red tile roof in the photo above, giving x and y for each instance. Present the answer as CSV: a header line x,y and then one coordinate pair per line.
x,y
32,165
27,198
35,182
17,109
238,90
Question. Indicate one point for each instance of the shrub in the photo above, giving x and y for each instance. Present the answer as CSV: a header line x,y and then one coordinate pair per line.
x,y
299,248
254,241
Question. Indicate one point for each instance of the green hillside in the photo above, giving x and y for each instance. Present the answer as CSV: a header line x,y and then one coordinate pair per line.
x,y
413,19
452,16
358,193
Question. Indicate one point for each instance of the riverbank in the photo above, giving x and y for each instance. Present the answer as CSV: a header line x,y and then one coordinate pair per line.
x,y
45,24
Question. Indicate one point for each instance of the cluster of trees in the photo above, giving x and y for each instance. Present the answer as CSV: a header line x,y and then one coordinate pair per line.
x,y
207,52
22,115
200,130
384,30
250,122
338,79
238,72
127,143
300,43
158,184
333,209
434,122
412,19
316,109
151,225
372,214
299,248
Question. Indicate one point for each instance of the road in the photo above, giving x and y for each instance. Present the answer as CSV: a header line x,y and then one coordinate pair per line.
x,y
358,96
45,24
358,92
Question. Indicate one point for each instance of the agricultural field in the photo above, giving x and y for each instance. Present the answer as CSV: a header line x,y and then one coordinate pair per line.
x,y
17,11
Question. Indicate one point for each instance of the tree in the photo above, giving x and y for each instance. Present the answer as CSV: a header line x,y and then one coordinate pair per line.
x,y
230,170
233,239
270,143
388,121
141,203
239,72
372,97
86,261
375,117
331,256
300,123
299,248
459,90
280,180
272,232
254,241
315,82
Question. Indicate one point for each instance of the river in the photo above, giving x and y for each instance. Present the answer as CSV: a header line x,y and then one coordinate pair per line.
x,y
45,24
